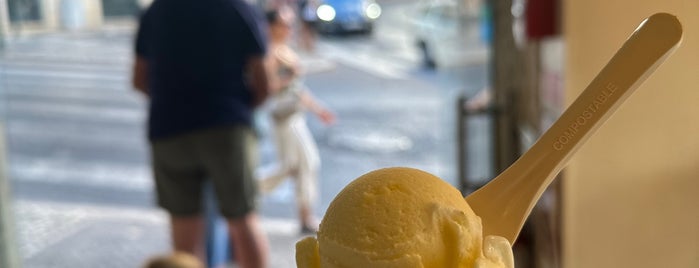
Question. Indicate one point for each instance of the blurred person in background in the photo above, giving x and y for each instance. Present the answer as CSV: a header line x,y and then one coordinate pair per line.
x,y
201,63
308,19
296,149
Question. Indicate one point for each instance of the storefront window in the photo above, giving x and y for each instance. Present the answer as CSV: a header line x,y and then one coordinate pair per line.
x,y
120,8
24,10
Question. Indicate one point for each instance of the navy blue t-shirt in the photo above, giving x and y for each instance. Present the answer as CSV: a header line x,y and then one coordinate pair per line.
x,y
196,52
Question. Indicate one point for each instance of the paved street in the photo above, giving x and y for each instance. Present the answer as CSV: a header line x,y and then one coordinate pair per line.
x,y
77,153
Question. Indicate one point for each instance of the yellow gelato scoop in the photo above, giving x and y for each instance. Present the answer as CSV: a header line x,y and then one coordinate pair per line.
x,y
401,217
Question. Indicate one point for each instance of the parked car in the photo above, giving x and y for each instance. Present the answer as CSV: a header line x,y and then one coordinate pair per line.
x,y
336,16
449,33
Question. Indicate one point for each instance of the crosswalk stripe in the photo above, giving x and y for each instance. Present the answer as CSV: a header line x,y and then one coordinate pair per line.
x,y
83,111
366,62
96,173
60,65
29,72
81,94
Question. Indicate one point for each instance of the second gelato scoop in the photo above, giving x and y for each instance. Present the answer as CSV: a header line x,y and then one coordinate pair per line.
x,y
401,217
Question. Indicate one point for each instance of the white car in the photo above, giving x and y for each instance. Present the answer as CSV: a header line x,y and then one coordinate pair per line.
x,y
449,33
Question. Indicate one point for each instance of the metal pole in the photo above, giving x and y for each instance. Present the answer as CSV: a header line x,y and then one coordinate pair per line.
x,y
4,23
462,162
506,82
8,250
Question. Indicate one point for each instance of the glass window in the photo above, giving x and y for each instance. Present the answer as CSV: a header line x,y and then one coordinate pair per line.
x,y
24,10
120,8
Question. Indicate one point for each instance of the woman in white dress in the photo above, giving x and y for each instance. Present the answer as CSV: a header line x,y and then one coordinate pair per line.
x,y
296,149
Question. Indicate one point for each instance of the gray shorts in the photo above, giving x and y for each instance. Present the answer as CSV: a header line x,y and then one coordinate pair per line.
x,y
227,156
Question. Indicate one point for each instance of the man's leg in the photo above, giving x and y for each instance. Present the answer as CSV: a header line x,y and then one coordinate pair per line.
x,y
188,235
230,155
178,181
250,244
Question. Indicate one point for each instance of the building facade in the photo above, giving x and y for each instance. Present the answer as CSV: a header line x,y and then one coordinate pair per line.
x,y
31,16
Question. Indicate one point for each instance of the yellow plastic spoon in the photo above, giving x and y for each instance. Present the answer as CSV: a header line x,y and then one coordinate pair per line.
x,y
504,203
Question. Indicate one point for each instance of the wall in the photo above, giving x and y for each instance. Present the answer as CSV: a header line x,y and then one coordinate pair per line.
x,y
58,15
50,10
93,13
4,22
631,194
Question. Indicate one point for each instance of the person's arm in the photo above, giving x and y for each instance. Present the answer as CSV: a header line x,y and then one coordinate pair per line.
x,y
139,80
308,101
257,68
287,57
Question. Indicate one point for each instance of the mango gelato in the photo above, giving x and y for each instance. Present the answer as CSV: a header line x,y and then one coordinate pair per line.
x,y
401,217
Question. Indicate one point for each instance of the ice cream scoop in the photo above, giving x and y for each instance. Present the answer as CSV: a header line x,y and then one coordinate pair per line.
x,y
401,217
504,203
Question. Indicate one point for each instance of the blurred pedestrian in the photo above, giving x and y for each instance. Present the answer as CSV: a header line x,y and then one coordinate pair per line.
x,y
308,19
296,149
202,65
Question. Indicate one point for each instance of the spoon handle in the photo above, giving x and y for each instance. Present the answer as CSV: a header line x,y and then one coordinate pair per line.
x,y
505,202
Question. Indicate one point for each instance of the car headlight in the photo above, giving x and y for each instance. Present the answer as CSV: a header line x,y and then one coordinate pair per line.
x,y
326,13
372,11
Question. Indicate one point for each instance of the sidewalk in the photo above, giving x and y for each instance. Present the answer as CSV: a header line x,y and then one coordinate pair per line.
x,y
62,221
